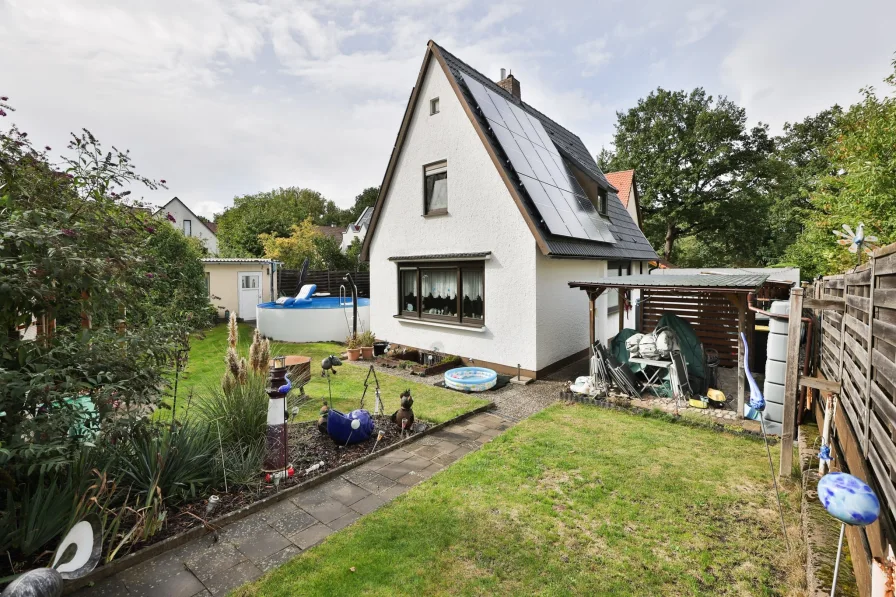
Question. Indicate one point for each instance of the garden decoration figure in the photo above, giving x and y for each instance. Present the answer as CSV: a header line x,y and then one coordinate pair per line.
x,y
322,419
355,427
404,416
378,408
757,402
849,500
77,554
277,452
326,366
857,240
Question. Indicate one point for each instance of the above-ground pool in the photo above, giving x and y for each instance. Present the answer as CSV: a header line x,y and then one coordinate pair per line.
x,y
318,320
471,379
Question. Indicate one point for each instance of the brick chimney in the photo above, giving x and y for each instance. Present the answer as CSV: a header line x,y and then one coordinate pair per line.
x,y
510,84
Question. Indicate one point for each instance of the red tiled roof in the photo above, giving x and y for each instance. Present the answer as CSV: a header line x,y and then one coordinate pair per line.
x,y
623,182
211,226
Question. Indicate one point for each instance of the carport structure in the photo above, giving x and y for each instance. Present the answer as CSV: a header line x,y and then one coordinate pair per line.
x,y
716,305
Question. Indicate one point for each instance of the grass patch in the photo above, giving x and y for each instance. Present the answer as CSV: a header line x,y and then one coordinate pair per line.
x,y
574,500
206,365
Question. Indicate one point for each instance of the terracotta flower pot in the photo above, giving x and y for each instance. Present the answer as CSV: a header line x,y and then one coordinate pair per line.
x,y
354,354
367,353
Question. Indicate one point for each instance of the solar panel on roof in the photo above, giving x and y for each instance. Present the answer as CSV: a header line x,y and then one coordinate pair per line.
x,y
559,198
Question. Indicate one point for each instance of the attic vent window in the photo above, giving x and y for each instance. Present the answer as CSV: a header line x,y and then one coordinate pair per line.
x,y
434,106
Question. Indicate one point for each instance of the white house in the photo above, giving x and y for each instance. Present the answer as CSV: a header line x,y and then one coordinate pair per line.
x,y
357,229
487,209
190,224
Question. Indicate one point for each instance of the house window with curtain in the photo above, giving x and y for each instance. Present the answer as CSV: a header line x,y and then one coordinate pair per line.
x,y
446,292
616,268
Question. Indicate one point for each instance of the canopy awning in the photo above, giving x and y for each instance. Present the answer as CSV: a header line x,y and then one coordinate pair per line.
x,y
687,282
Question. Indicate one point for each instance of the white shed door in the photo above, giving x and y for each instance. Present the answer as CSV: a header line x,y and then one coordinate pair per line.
x,y
250,294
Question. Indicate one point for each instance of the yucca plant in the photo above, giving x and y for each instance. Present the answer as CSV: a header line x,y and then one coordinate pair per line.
x,y
173,462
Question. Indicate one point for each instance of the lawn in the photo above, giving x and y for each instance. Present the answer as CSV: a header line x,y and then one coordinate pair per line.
x,y
206,365
575,500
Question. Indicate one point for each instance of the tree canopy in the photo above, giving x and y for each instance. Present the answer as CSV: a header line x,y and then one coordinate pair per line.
x,y
700,170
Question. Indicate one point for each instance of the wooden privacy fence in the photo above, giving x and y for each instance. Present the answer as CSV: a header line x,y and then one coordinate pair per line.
x,y
858,349
327,281
713,317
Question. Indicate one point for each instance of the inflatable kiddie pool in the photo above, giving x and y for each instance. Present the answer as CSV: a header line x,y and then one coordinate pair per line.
x,y
471,379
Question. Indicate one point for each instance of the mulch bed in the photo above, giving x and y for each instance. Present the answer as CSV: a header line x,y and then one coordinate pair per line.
x,y
308,446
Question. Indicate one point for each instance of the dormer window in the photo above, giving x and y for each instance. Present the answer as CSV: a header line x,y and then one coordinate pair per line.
x,y
602,201
434,106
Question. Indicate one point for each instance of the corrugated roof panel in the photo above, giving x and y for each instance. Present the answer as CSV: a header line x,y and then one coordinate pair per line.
x,y
739,282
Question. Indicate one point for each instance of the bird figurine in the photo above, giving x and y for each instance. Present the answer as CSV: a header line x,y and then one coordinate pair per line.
x,y
329,364
404,416
857,241
322,419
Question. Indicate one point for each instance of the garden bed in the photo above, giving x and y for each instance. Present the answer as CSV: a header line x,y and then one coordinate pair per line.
x,y
420,362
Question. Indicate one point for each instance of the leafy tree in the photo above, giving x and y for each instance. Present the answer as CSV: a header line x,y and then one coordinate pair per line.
x,y
353,257
75,252
273,213
293,249
860,185
701,173
328,254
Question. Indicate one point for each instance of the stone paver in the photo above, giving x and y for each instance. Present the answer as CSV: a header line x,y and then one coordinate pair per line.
x,y
269,538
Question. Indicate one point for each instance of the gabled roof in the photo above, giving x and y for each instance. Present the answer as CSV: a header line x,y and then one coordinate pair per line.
x,y
623,183
363,219
211,227
630,241
332,231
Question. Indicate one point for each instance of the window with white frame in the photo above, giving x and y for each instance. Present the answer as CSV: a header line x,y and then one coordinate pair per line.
x,y
448,292
616,268
188,227
435,189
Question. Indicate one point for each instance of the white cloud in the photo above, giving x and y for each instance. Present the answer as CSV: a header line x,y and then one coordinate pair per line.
x,y
699,22
804,58
593,55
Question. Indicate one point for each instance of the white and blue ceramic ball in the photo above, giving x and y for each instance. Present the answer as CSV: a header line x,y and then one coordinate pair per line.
x,y
848,499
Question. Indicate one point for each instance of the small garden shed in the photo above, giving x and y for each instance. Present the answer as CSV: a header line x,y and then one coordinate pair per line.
x,y
716,306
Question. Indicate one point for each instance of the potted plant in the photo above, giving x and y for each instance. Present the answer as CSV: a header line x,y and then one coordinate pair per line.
x,y
366,340
354,350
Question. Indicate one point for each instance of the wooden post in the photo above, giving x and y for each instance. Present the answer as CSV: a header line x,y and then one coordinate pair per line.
x,y
869,362
621,309
740,303
791,381
591,299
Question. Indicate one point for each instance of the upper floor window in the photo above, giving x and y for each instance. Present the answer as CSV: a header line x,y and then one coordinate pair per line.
x,y
602,201
435,189
188,227
434,106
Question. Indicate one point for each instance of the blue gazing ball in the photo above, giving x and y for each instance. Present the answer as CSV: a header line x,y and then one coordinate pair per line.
x,y
848,499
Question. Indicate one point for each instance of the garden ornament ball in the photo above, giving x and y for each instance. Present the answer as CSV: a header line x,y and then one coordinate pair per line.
x,y
356,424
848,499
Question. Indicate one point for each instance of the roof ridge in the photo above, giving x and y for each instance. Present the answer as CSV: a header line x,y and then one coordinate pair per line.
x,y
504,92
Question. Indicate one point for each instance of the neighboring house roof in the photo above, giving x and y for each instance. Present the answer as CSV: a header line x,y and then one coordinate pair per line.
x,y
364,219
623,182
331,231
630,241
208,225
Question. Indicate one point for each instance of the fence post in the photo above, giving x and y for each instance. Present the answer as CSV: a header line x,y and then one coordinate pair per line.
x,y
868,363
791,381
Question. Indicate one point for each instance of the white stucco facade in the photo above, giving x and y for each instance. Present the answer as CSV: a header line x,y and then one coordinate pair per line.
x,y
482,216
190,224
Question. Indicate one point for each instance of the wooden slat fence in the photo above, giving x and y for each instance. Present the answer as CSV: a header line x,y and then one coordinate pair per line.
x,y
858,348
713,317
327,281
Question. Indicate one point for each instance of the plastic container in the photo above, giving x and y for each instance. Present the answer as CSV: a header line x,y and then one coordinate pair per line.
x,y
471,379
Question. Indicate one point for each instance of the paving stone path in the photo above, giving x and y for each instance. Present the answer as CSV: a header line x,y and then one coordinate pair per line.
x,y
264,540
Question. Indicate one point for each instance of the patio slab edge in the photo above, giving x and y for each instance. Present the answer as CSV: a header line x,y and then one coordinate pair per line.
x,y
151,551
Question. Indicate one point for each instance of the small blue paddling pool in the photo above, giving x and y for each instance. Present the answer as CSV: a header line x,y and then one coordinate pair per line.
x,y
471,379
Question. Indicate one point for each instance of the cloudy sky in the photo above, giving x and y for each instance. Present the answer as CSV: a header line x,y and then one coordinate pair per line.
x,y
228,97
